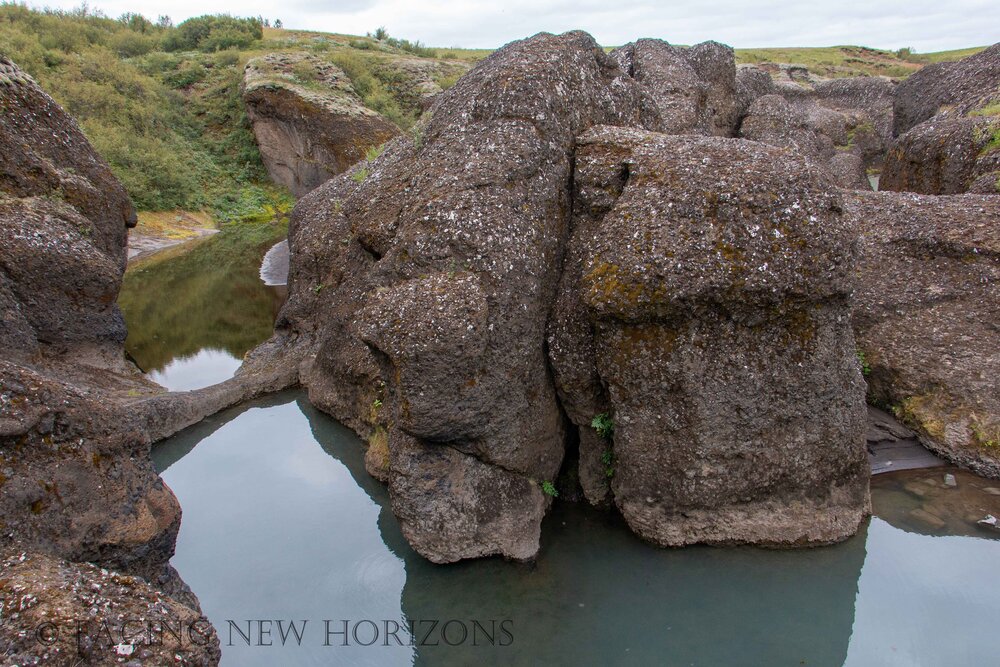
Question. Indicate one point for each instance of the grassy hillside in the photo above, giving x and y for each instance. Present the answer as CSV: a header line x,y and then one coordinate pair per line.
x,y
162,102
841,61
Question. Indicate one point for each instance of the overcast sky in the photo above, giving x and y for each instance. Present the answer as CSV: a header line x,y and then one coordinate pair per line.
x,y
891,24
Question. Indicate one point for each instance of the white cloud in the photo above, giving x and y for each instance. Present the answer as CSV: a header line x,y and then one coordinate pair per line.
x,y
923,24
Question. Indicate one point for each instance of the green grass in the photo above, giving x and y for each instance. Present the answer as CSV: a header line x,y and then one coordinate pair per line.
x,y
842,61
162,103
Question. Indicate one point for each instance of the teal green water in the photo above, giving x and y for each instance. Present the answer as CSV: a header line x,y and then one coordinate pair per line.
x,y
281,522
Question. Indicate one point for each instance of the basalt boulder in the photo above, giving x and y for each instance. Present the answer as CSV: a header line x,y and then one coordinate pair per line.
x,y
927,317
704,312
958,85
694,88
948,154
76,481
425,278
308,120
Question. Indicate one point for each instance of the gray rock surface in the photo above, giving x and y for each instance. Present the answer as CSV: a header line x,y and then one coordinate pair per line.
x,y
960,85
927,316
705,305
308,121
694,88
427,287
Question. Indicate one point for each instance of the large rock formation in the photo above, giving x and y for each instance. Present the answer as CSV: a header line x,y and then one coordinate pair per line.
x,y
429,284
959,85
944,156
927,317
308,121
842,124
705,307
422,285
948,120
694,88
63,220
76,481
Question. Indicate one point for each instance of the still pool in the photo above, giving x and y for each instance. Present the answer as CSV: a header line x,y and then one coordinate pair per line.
x,y
282,523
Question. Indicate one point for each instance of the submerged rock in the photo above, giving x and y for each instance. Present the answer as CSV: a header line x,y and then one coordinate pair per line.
x,y
705,306
927,315
308,121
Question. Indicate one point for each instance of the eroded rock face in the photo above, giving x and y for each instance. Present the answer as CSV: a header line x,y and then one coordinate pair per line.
x,y
309,123
943,156
843,124
59,613
694,88
76,481
960,85
429,283
705,307
63,220
927,316
433,288
948,121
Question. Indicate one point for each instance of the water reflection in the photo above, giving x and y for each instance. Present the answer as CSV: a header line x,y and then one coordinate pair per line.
x,y
276,527
201,369
208,296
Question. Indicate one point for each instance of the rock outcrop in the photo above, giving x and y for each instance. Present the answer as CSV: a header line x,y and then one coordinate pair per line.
x,y
63,220
705,307
843,124
424,285
947,117
946,155
958,85
927,316
694,88
76,481
308,121
428,285
59,613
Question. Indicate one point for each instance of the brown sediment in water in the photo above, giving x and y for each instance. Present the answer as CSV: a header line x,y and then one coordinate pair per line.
x,y
926,502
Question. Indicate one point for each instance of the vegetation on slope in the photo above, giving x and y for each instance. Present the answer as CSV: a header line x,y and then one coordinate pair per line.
x,y
162,102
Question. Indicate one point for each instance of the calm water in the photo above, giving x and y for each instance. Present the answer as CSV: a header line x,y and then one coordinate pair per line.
x,y
194,311
282,522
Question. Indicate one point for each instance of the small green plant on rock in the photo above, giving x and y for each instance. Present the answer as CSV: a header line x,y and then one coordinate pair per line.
x,y
549,489
608,459
604,425
360,175
866,370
